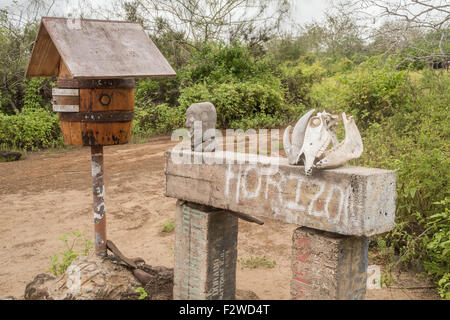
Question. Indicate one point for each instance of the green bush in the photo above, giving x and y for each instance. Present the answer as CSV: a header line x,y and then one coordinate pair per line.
x,y
298,80
222,63
168,226
242,88
37,94
260,120
437,261
160,119
371,92
74,245
30,130
330,94
238,84
157,92
35,127
414,142
240,103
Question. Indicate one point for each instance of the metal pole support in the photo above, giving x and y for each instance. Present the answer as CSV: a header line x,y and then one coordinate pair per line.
x,y
98,189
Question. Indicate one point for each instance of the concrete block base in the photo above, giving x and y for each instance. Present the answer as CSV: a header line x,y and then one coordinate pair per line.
x,y
328,266
205,253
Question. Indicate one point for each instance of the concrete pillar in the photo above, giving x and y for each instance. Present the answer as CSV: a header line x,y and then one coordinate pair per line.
x,y
205,253
328,266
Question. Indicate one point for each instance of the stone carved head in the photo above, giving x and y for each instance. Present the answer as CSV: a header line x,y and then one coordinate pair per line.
x,y
201,121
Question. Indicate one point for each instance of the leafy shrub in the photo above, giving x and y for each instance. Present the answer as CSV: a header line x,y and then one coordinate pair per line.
x,y
160,119
237,101
74,245
371,92
157,92
376,93
298,80
222,63
286,49
330,94
35,127
260,120
241,87
37,94
414,142
437,261
343,65
32,129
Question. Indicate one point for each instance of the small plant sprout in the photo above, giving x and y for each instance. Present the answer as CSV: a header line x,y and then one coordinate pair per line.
x,y
257,262
168,226
142,292
74,245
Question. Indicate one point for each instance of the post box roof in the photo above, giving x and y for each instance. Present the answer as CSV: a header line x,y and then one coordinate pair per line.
x,y
95,49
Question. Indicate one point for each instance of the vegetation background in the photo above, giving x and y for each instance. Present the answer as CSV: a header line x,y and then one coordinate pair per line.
x,y
384,62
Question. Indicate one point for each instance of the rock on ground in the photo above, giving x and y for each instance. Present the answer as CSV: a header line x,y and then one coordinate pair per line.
x,y
10,156
94,278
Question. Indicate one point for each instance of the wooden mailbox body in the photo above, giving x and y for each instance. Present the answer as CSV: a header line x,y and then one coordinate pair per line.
x,y
96,63
95,112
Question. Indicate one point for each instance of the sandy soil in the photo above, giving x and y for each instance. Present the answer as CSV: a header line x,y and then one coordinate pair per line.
x,y
48,195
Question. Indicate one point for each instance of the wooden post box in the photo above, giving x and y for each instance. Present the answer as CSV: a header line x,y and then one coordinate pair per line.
x,y
95,112
96,64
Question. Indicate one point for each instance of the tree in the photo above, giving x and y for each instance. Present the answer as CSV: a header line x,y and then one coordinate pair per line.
x,y
417,29
342,37
338,35
18,27
15,49
209,20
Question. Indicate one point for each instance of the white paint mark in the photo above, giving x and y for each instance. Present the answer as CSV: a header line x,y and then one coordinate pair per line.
x,y
373,277
96,168
65,92
66,108
291,211
229,175
238,184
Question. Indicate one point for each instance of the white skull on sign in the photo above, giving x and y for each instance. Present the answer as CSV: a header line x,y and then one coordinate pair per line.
x,y
312,136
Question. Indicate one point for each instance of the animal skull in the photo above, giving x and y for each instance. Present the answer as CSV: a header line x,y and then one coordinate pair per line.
x,y
317,139
312,136
293,150
350,148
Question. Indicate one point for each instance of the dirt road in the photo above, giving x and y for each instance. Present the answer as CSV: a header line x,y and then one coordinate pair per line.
x,y
48,195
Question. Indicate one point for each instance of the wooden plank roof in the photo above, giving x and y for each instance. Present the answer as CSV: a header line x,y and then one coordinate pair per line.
x,y
96,49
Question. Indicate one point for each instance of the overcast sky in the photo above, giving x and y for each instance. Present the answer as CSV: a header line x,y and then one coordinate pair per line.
x,y
304,11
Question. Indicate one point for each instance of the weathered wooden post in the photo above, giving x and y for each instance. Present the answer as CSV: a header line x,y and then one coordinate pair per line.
x,y
95,63
337,209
